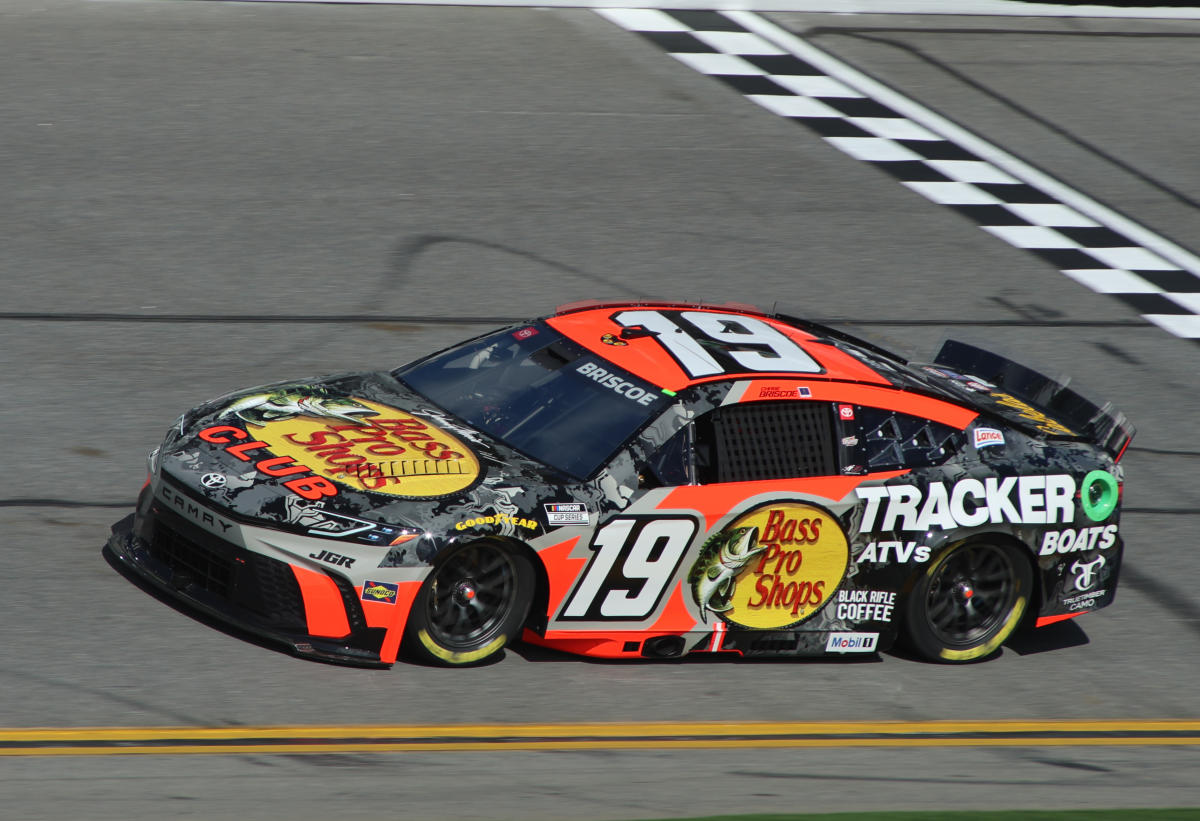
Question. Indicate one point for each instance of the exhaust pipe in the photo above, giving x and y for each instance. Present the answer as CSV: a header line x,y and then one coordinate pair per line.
x,y
663,647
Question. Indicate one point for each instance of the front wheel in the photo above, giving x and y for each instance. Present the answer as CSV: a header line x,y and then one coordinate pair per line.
x,y
968,602
473,603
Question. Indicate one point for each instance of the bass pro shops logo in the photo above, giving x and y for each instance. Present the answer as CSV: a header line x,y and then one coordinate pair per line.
x,y
317,449
773,567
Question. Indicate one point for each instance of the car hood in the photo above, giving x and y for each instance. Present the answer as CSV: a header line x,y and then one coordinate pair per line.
x,y
321,455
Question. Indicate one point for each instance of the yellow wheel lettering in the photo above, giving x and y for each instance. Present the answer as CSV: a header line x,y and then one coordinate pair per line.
x,y
451,657
996,640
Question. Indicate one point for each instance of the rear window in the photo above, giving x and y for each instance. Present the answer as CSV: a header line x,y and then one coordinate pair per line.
x,y
893,441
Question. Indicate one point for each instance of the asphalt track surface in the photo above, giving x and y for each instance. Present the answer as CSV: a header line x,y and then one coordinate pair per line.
x,y
184,183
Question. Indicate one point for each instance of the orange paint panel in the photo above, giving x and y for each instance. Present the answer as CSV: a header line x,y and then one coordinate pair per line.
x,y
608,644
645,358
1044,620
836,362
594,644
561,570
323,608
715,500
916,404
675,617
399,620
871,396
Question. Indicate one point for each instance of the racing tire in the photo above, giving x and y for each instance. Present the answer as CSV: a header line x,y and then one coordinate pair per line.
x,y
473,603
968,602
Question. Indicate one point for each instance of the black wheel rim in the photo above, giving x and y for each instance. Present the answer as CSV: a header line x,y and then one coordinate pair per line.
x,y
471,596
971,595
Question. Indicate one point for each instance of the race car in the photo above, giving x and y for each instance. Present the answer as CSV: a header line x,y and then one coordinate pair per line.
x,y
641,480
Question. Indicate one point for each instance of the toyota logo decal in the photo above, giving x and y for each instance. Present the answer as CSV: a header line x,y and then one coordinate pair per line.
x,y
212,481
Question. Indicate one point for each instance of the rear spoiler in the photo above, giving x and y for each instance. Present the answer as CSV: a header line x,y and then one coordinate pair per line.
x,y
1104,426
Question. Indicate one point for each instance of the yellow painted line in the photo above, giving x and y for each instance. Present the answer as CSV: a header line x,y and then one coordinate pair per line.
x,y
51,741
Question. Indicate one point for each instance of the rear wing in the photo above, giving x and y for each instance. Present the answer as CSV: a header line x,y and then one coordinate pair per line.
x,y
1104,426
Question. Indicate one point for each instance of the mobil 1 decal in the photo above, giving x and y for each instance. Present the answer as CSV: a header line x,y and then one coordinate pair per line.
x,y
772,567
634,559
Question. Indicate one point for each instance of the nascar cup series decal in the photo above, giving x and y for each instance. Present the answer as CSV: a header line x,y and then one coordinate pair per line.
x,y
771,568
355,442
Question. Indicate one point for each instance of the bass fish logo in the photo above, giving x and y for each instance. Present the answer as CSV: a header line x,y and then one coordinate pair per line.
x,y
722,558
773,567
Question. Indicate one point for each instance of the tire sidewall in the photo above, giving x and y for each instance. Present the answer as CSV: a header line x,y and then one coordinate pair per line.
x,y
419,640
927,644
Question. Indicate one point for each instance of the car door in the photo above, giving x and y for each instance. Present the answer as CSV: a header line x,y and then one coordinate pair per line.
x,y
738,528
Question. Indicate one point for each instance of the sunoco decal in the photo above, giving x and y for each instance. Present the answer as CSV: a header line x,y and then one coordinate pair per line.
x,y
771,568
383,592
385,451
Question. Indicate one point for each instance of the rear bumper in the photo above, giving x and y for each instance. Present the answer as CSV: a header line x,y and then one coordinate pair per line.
x,y
243,589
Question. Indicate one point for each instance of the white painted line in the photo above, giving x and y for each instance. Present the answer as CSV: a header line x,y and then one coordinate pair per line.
x,y
873,149
1112,281
1031,236
971,171
1184,325
1134,259
737,42
643,20
816,86
793,106
1052,214
895,128
953,193
718,64
1189,301
991,8
938,124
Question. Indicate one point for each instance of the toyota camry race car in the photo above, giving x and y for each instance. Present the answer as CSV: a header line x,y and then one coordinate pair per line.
x,y
628,480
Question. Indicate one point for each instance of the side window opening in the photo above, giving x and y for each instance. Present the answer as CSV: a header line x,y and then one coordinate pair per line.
x,y
897,440
767,440
673,463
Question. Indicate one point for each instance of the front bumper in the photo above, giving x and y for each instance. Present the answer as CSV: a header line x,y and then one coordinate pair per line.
x,y
241,588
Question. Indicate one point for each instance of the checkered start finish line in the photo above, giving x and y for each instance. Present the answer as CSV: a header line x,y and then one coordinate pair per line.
x,y
859,116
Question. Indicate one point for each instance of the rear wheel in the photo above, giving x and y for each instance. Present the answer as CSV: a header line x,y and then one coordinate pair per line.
x,y
968,602
473,603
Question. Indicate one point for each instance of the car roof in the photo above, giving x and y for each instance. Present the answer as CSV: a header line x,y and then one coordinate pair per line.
x,y
594,326
650,339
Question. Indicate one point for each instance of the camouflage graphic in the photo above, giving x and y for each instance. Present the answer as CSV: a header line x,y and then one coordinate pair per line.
x,y
260,408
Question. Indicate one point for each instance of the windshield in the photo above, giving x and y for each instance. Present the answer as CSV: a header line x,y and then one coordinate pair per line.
x,y
542,394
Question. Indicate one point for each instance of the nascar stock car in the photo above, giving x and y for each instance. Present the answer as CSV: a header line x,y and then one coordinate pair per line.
x,y
629,480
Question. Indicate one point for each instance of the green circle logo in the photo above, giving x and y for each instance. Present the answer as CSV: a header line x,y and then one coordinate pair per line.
x,y
1099,495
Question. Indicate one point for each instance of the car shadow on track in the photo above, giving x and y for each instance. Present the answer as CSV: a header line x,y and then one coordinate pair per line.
x,y
203,618
1025,642
537,653
1056,636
